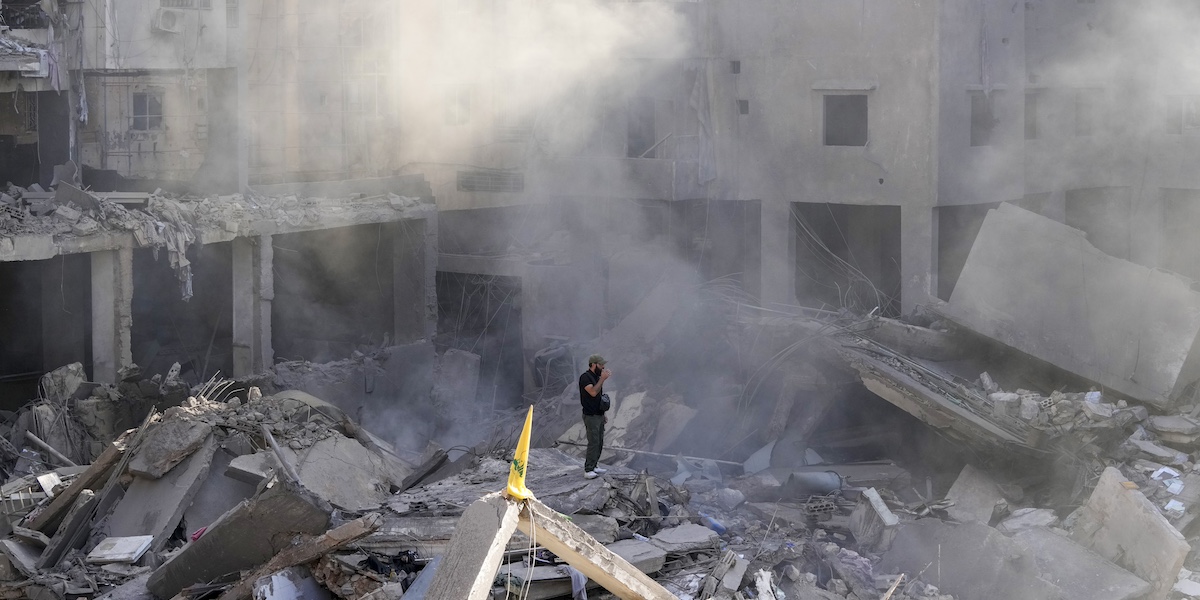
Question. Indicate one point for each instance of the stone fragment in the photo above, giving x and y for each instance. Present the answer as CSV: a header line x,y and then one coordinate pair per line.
x,y
1025,518
686,538
1005,404
730,499
1030,407
1159,453
1097,411
166,444
872,522
1181,424
66,213
975,496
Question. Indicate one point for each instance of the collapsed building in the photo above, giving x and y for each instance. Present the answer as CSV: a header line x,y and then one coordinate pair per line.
x,y
896,293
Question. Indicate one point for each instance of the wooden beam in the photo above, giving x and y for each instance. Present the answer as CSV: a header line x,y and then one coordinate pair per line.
x,y
570,543
46,520
307,551
469,566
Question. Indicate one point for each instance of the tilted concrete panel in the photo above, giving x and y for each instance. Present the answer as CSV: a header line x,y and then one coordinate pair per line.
x,y
1039,286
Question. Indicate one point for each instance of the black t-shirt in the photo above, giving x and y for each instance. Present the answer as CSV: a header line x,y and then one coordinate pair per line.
x,y
591,404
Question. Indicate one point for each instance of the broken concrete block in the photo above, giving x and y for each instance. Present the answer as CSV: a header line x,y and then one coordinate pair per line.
x,y
85,226
68,214
989,385
872,522
155,506
976,562
344,473
166,444
974,495
1187,587
730,499
23,556
647,557
1079,572
252,468
1085,322
1005,404
1159,453
1026,518
1030,407
1181,424
247,536
1121,525
1097,411
61,384
686,538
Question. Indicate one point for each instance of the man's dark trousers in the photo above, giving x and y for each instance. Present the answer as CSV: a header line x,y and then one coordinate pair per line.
x,y
594,424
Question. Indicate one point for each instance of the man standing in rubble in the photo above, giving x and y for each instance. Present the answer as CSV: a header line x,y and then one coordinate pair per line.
x,y
591,394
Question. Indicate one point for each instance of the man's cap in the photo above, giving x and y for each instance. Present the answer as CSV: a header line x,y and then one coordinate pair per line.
x,y
596,359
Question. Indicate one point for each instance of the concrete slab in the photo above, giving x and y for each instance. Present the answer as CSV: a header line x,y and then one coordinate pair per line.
x,y
1088,322
686,538
1121,525
975,496
971,561
155,506
217,494
344,473
1078,572
245,537
166,445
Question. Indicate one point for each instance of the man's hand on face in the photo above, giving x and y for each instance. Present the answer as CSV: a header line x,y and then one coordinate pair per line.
x,y
606,373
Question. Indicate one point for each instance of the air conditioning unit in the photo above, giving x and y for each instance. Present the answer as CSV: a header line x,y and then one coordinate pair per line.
x,y
168,20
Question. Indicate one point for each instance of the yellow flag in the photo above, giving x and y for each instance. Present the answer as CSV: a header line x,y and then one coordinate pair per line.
x,y
520,462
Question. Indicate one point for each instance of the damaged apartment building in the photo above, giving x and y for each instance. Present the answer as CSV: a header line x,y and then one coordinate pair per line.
x,y
483,192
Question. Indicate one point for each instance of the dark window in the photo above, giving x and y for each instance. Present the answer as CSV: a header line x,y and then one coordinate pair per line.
x,y
845,120
1087,112
1031,115
231,13
640,133
147,110
735,66
983,118
743,107
490,181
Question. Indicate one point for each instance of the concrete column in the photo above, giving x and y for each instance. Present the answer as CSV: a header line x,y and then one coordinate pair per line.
x,y
918,256
414,279
253,292
778,254
112,313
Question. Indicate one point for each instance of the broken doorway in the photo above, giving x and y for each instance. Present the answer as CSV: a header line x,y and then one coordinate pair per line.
x,y
847,256
333,291
197,333
45,314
